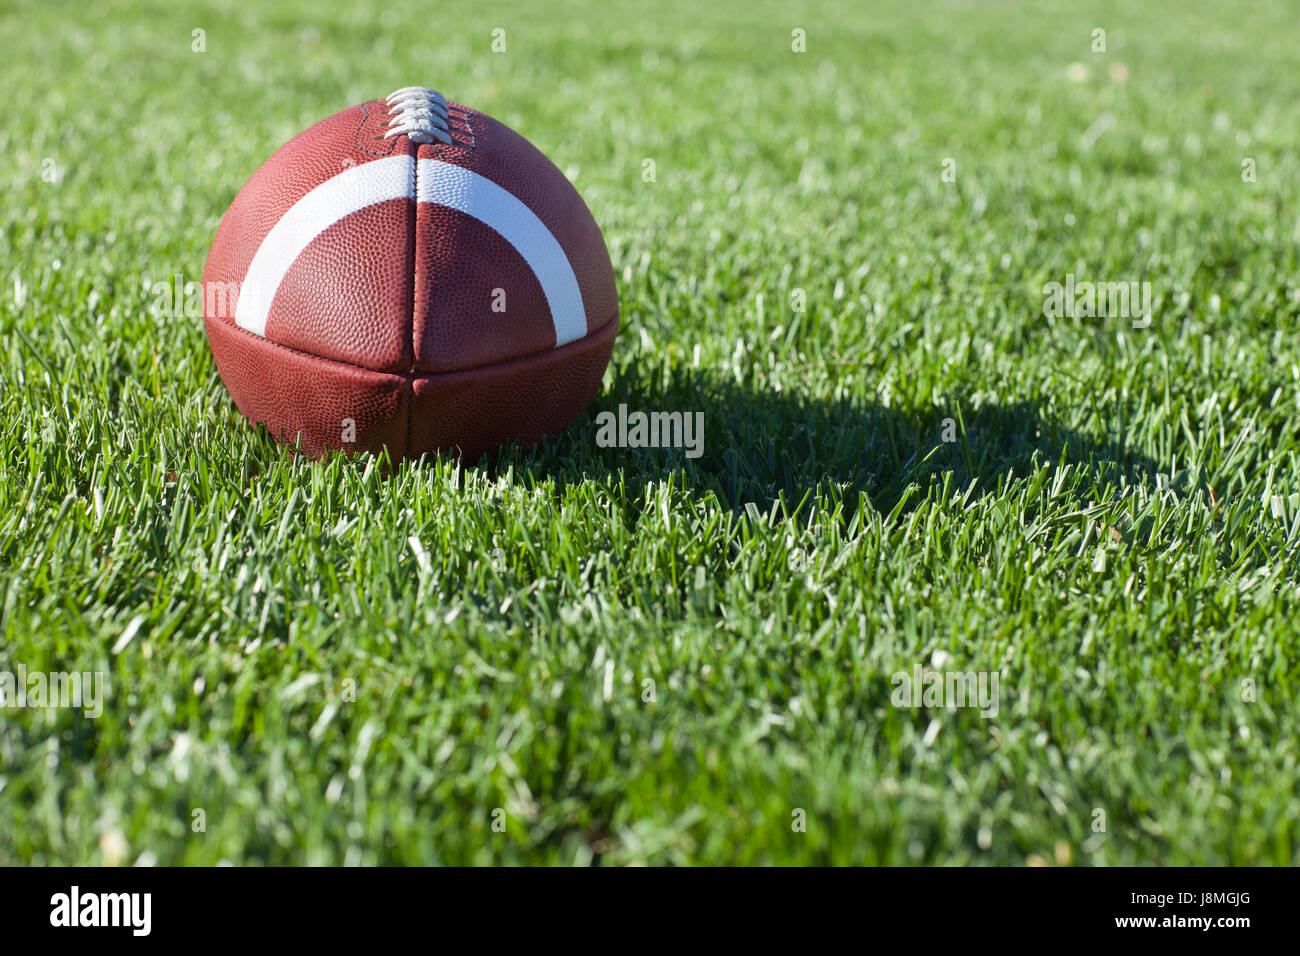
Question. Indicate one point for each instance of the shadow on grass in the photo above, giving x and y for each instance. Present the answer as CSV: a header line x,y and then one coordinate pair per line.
x,y
761,446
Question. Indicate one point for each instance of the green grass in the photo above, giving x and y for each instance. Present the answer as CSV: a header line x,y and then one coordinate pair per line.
x,y
338,666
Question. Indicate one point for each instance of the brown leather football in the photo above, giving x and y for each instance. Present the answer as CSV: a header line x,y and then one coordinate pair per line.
x,y
413,274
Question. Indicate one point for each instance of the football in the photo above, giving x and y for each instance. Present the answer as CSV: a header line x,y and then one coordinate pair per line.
x,y
409,274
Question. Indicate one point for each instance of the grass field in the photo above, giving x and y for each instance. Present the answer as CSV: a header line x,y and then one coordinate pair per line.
x,y
630,656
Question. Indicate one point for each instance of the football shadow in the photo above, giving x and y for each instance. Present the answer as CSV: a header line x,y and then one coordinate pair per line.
x,y
762,446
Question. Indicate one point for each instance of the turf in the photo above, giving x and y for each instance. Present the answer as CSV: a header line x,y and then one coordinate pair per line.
x,y
630,656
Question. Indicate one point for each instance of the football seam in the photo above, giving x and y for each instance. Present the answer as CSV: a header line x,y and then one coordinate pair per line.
x,y
415,285
414,374
356,137
408,380
468,147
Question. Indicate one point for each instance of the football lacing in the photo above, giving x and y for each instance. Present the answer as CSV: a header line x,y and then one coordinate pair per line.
x,y
420,114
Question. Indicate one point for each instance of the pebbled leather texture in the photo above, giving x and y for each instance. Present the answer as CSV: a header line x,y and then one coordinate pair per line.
x,y
298,395
425,326
445,310
472,411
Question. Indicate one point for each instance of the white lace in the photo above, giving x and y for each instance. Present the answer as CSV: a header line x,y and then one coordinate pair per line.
x,y
421,114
